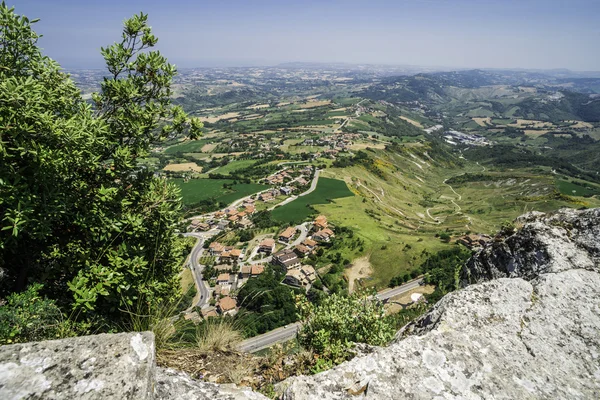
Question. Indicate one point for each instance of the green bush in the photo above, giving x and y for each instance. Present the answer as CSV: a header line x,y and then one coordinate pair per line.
x,y
78,215
29,317
330,328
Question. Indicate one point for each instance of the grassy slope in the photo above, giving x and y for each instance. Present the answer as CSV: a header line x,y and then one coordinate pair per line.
x,y
399,217
234,166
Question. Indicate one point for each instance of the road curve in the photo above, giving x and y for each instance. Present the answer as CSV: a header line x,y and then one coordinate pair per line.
x,y
288,332
196,268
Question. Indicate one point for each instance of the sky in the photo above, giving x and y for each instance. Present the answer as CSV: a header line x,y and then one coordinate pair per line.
x,y
534,34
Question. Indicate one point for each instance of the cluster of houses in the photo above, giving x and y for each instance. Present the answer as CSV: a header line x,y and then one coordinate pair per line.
x,y
474,241
269,195
228,218
284,179
227,281
290,259
339,141
322,232
224,306
279,178
238,217
225,254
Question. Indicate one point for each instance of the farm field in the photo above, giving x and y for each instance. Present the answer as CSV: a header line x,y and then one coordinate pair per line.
x,y
196,190
298,210
576,189
183,167
234,166
191,146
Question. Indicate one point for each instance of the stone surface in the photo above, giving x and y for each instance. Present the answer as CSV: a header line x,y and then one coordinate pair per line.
x,y
175,385
119,366
534,336
555,242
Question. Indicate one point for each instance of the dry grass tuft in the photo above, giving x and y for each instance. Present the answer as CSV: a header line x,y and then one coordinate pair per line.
x,y
237,372
218,334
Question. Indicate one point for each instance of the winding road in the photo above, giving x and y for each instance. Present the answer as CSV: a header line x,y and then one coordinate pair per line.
x,y
197,268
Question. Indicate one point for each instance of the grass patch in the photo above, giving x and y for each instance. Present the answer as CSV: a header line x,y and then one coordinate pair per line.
x,y
234,166
480,112
218,334
192,146
196,190
576,189
299,209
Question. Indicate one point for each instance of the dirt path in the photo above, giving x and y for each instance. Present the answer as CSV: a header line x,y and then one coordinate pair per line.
x,y
433,218
361,268
454,191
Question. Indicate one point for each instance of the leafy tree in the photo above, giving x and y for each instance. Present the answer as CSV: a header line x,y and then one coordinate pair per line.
x,y
330,328
76,213
442,269
266,303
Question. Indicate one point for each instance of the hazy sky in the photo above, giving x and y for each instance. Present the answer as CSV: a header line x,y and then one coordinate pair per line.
x,y
455,33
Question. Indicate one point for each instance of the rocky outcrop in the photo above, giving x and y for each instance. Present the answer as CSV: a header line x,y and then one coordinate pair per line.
x,y
107,367
174,385
536,335
542,243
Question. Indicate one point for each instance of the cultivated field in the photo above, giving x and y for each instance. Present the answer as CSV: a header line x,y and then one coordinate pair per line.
x,y
234,166
482,121
196,190
412,121
217,118
190,166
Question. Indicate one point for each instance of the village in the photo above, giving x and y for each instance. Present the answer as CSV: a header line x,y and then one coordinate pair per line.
x,y
231,266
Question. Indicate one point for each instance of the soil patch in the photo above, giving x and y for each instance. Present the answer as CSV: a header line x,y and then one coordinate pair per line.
x,y
360,269
191,166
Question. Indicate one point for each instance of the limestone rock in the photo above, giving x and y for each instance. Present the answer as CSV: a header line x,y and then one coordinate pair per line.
x,y
545,243
175,385
505,339
119,366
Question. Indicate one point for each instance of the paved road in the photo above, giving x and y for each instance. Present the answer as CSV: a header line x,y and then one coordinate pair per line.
x,y
288,332
388,294
303,228
268,339
196,268
313,184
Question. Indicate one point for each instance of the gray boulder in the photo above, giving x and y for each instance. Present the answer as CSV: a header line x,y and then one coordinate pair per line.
x,y
118,366
175,385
